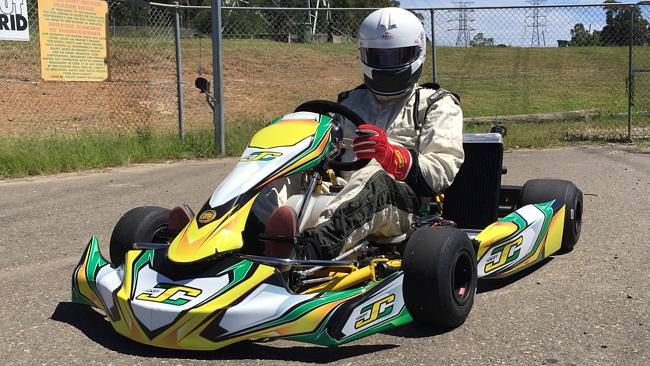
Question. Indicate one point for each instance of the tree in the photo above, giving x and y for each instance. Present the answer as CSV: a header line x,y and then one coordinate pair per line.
x,y
583,37
346,23
124,13
279,22
479,40
617,30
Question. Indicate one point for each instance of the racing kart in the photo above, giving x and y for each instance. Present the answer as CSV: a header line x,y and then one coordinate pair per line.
x,y
191,281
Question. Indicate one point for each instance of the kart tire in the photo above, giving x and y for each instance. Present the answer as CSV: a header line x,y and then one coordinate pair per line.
x,y
440,276
141,224
543,190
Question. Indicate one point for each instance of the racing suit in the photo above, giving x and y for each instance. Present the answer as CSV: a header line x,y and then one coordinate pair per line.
x,y
373,202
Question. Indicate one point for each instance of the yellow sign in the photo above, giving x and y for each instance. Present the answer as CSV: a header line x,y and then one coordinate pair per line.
x,y
73,37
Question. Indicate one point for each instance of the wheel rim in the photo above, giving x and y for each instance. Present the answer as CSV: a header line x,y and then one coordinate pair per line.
x,y
157,236
461,278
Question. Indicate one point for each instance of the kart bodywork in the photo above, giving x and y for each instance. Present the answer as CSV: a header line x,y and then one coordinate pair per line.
x,y
230,296
241,301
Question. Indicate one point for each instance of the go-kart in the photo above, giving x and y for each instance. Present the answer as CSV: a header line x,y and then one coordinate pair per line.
x,y
191,281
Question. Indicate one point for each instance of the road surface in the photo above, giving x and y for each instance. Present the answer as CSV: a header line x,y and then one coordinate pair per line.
x,y
588,307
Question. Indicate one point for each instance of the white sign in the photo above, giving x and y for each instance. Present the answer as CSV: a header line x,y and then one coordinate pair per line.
x,y
14,22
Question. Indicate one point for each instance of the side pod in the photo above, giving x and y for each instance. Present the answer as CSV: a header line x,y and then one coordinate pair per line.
x,y
520,239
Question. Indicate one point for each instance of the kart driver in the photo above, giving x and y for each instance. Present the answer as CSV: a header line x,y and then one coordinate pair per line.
x,y
414,136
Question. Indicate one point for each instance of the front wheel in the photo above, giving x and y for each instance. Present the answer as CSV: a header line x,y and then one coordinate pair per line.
x,y
439,276
141,224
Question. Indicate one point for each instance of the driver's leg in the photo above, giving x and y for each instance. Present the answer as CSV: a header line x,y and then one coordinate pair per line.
x,y
372,202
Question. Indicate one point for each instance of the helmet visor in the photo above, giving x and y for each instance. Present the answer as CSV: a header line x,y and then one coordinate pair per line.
x,y
386,58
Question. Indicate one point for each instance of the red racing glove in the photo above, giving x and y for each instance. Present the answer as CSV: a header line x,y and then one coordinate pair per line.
x,y
373,144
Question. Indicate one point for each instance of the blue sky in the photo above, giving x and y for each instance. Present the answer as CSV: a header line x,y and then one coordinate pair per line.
x,y
479,3
513,26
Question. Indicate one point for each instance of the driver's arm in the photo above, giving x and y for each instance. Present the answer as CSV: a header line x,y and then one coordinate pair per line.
x,y
439,154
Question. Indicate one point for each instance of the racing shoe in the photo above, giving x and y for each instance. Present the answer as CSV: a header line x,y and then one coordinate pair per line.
x,y
179,217
280,233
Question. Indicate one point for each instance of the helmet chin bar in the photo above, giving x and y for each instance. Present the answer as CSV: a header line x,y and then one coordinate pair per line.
x,y
392,82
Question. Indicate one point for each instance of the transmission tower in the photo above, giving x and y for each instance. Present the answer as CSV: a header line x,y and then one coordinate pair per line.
x,y
537,22
463,24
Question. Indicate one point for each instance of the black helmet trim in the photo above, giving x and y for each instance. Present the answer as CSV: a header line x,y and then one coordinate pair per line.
x,y
392,82
389,58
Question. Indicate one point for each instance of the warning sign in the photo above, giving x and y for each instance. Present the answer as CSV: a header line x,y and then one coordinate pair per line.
x,y
73,39
14,22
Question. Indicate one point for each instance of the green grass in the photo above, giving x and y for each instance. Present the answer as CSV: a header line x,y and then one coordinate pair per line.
x,y
265,79
22,157
491,81
643,144
32,156
506,81
561,133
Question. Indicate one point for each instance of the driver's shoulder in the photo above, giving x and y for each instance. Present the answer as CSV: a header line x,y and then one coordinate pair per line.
x,y
430,93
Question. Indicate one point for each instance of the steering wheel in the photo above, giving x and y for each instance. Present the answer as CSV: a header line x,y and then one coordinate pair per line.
x,y
325,107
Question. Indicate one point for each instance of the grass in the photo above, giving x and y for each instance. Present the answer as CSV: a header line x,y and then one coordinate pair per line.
x,y
561,133
32,156
265,79
23,157
491,81
643,144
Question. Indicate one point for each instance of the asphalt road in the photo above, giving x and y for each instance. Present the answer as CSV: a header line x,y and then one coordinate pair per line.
x,y
588,307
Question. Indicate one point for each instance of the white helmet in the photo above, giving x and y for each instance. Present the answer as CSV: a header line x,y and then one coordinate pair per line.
x,y
392,49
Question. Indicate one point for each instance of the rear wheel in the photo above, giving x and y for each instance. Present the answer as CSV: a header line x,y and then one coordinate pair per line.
x,y
543,190
439,276
141,224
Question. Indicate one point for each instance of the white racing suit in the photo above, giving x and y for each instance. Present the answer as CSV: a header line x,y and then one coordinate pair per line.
x,y
374,203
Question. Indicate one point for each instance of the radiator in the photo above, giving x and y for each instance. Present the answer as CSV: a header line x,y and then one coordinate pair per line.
x,y
472,200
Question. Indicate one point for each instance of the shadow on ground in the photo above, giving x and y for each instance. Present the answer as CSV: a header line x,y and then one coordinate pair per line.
x,y
491,285
414,330
93,326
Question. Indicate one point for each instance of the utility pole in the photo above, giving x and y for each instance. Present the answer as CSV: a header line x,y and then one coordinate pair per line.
x,y
217,72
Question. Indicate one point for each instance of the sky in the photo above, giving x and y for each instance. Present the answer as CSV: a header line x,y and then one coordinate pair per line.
x,y
479,3
513,27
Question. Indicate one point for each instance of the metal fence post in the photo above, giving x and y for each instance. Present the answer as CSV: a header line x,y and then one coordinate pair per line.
x,y
434,73
630,75
217,71
179,73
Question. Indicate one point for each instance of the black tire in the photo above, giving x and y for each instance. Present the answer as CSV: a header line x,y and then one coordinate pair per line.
x,y
439,276
141,224
543,190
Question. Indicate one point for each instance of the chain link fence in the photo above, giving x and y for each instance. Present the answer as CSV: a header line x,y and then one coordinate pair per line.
x,y
138,97
514,61
503,61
